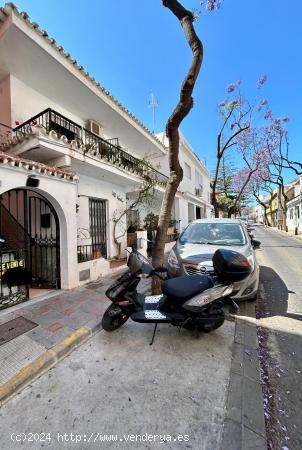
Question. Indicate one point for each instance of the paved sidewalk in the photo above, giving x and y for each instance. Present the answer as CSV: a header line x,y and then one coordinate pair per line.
x,y
244,426
61,322
287,233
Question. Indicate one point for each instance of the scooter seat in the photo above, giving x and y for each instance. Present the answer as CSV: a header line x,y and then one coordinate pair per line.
x,y
183,288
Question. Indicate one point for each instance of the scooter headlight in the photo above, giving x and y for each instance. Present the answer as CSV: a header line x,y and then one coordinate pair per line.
x,y
173,261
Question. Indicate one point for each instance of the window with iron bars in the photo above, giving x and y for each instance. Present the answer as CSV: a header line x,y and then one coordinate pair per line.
x,y
98,226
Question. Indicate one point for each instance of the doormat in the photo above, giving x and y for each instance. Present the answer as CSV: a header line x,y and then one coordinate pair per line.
x,y
14,328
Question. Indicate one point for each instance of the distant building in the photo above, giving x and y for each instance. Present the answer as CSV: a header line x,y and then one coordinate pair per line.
x,y
294,208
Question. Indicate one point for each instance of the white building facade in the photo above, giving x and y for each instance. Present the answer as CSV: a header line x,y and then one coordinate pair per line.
x,y
70,157
294,209
193,197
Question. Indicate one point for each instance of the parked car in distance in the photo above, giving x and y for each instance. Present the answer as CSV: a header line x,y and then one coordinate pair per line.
x,y
192,254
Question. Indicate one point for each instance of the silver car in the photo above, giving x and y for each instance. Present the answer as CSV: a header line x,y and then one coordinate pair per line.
x,y
194,249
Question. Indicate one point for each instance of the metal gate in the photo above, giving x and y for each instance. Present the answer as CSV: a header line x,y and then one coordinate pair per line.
x,y
98,226
29,231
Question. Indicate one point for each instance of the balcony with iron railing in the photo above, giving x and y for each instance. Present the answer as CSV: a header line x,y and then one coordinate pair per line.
x,y
105,149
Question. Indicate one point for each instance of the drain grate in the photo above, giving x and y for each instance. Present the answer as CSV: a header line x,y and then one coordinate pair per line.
x,y
10,330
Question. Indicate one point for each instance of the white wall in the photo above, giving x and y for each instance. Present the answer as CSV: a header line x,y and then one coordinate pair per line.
x,y
186,155
294,215
27,102
91,187
62,195
5,107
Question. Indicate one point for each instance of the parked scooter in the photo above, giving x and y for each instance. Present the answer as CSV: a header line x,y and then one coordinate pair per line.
x,y
191,302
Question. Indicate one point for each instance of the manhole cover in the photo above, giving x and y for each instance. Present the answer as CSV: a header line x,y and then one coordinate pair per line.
x,y
10,330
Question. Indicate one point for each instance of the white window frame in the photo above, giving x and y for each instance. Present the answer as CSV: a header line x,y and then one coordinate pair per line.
x,y
188,169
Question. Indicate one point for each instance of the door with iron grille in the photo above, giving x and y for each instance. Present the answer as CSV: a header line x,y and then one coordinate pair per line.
x,y
29,238
98,227
44,243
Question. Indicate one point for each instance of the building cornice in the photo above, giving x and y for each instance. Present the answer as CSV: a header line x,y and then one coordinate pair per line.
x,y
36,167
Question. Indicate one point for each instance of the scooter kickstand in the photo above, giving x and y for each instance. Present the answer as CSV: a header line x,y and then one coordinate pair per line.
x,y
153,336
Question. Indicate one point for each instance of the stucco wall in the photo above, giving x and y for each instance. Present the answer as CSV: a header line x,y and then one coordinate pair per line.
x,y
27,102
5,107
62,195
90,187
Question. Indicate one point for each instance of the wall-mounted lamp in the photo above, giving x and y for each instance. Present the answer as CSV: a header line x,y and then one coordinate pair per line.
x,y
32,181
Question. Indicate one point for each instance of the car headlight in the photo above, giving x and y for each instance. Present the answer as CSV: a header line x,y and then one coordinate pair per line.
x,y
173,261
251,260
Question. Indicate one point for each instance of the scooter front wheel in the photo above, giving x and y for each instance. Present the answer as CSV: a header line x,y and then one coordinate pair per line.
x,y
113,318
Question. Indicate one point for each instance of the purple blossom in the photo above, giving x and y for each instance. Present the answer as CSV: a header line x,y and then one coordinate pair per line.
x,y
211,5
264,102
238,82
268,114
231,87
232,126
284,119
222,104
259,108
262,81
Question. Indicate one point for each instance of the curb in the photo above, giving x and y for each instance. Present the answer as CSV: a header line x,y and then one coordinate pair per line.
x,y
44,362
244,424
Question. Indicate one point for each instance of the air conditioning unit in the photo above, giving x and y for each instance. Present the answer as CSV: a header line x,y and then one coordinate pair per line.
x,y
95,127
198,192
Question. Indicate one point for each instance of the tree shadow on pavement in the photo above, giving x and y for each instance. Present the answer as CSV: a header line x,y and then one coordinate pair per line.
x,y
277,293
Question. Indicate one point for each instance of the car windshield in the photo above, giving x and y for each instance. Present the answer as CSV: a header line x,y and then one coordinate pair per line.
x,y
214,233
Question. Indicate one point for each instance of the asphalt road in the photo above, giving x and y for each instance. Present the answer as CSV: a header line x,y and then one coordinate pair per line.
x,y
280,312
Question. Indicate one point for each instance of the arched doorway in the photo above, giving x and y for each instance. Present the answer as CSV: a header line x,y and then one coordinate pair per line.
x,y
30,235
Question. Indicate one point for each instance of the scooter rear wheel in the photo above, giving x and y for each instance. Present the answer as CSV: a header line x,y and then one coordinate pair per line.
x,y
211,327
113,318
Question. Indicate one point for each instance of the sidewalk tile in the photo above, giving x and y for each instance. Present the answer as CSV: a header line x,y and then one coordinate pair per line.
x,y
55,338
38,334
234,401
232,436
55,327
252,407
68,311
237,361
47,319
251,364
252,441
77,321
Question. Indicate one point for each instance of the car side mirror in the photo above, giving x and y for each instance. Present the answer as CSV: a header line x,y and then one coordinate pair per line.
x,y
256,244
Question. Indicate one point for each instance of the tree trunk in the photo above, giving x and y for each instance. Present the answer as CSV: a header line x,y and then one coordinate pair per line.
x,y
216,207
214,197
181,111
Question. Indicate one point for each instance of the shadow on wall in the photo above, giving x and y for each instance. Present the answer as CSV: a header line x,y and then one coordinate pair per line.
x,y
277,293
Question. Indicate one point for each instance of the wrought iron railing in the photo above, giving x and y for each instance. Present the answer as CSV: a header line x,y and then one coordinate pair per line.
x,y
91,252
108,150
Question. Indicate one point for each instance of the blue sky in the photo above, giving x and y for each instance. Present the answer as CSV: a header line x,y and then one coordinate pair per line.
x,y
133,49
